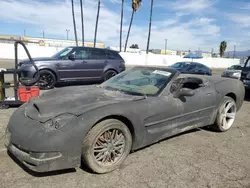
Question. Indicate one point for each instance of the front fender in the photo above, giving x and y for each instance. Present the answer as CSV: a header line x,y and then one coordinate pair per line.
x,y
86,121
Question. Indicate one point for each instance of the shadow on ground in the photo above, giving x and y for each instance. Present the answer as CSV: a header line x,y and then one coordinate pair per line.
x,y
83,166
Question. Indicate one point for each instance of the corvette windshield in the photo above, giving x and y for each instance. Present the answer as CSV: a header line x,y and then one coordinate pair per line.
x,y
139,80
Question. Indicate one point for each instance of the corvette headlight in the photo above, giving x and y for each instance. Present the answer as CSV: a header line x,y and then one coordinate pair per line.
x,y
58,121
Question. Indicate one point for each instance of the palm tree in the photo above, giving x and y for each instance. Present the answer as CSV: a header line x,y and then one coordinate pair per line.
x,y
121,25
135,6
150,21
74,21
223,46
82,23
97,19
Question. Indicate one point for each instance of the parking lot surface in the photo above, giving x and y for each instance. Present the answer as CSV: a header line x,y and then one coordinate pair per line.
x,y
199,158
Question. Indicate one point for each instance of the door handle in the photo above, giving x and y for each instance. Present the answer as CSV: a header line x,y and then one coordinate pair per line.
x,y
84,61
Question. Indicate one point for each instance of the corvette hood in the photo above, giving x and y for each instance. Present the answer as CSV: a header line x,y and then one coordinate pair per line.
x,y
73,100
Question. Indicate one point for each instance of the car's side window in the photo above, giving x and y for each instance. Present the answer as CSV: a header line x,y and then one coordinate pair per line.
x,y
192,83
200,66
97,53
112,55
188,82
80,53
192,66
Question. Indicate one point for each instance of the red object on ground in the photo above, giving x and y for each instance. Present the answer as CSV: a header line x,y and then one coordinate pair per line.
x,y
26,93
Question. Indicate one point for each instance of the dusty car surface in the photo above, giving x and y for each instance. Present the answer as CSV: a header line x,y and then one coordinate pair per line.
x,y
100,125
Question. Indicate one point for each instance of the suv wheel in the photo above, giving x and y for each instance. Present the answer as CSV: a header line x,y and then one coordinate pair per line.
x,y
47,80
109,74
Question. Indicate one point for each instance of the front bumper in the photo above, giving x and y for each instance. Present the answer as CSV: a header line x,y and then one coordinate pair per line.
x,y
40,151
42,161
35,164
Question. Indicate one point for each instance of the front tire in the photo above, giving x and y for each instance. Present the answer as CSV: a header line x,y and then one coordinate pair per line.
x,y
226,115
106,146
47,80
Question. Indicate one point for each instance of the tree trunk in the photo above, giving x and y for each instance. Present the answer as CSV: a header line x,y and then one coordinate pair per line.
x,y
82,23
131,21
150,21
74,21
121,25
97,19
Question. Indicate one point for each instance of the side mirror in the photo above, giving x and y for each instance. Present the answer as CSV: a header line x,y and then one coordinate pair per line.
x,y
184,92
72,57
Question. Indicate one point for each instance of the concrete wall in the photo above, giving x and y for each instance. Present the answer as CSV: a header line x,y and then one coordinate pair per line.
x,y
166,60
7,52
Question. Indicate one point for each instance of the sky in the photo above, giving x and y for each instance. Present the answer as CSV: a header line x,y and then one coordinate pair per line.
x,y
187,24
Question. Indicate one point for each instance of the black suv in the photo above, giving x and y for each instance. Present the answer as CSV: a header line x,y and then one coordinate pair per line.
x,y
74,64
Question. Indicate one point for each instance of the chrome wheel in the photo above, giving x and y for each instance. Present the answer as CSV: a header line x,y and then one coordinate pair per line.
x,y
228,115
109,147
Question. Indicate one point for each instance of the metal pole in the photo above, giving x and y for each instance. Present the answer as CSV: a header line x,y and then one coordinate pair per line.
x,y
82,23
67,31
234,51
131,21
24,33
74,21
43,34
150,22
166,44
97,19
121,25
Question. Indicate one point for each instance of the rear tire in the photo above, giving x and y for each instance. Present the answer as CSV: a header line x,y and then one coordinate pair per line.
x,y
109,74
106,146
225,115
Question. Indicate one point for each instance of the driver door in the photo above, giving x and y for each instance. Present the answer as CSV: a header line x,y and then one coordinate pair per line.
x,y
172,115
73,69
199,108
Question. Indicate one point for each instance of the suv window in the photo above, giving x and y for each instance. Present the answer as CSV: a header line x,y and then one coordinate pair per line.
x,y
80,53
192,66
95,53
113,55
200,66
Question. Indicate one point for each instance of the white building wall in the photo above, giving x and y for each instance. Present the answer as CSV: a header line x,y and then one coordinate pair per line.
x,y
7,52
